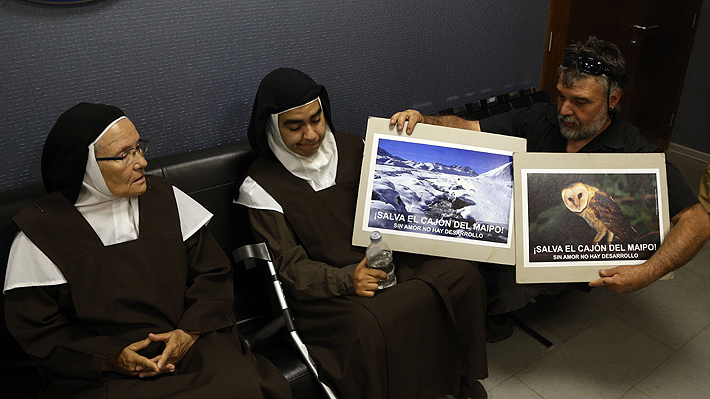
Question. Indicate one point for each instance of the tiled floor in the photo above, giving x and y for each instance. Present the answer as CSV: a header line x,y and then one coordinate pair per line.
x,y
653,343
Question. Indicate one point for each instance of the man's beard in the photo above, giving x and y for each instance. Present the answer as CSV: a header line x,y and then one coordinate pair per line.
x,y
582,132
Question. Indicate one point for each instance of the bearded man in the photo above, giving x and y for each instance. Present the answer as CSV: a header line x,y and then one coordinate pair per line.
x,y
585,119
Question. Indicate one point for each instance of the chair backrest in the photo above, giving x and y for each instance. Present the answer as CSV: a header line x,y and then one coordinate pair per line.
x,y
484,108
212,177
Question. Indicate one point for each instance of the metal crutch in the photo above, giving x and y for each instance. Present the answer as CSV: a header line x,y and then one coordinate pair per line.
x,y
261,251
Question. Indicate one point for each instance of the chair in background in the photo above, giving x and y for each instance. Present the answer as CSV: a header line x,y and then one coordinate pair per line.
x,y
490,106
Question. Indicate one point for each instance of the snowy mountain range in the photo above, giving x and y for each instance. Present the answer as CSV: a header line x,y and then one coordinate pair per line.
x,y
385,158
407,190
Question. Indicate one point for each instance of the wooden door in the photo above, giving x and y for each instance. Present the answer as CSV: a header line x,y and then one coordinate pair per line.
x,y
656,38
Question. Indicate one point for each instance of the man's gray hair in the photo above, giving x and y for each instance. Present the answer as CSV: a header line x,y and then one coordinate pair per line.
x,y
606,52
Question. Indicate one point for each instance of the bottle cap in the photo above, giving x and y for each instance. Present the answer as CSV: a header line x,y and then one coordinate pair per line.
x,y
375,235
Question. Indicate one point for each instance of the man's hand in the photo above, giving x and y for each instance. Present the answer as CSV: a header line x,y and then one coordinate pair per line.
x,y
177,343
128,362
624,279
682,243
411,115
366,279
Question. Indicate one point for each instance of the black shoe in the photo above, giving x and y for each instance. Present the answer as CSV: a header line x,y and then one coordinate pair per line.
x,y
498,327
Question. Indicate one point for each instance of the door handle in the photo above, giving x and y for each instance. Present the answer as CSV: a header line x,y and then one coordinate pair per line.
x,y
639,27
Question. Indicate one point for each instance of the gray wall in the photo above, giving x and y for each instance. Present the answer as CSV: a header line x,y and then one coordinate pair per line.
x,y
186,71
692,129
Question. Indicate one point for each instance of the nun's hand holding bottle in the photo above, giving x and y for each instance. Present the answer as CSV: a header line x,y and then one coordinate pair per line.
x,y
376,271
367,279
379,256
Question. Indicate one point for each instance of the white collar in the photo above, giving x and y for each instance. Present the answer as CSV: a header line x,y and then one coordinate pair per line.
x,y
114,219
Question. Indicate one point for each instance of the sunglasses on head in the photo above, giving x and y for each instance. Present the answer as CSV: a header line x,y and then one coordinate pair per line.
x,y
586,64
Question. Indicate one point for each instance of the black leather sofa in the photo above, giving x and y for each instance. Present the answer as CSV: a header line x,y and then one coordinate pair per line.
x,y
210,176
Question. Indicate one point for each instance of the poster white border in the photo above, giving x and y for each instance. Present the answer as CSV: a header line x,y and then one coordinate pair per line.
x,y
582,263
470,248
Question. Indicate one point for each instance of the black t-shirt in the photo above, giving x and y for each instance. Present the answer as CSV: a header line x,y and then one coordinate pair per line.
x,y
538,124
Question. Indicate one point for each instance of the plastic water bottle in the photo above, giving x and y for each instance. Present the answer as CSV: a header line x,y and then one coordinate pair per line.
x,y
379,256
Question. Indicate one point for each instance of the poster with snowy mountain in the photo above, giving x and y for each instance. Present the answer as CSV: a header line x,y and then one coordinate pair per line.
x,y
578,213
441,191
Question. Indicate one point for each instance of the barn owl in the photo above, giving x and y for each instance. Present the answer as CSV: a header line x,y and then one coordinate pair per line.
x,y
600,211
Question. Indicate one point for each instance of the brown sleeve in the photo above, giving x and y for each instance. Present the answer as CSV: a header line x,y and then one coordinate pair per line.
x,y
210,293
302,277
54,339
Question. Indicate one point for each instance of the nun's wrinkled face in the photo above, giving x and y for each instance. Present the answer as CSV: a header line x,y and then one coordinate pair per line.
x,y
302,129
124,179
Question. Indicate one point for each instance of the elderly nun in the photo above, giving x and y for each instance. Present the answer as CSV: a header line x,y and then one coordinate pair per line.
x,y
114,286
421,338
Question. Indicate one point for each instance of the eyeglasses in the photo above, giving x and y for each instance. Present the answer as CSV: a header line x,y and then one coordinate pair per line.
x,y
586,64
129,156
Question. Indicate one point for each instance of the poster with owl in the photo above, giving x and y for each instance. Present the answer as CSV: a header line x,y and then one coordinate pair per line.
x,y
578,213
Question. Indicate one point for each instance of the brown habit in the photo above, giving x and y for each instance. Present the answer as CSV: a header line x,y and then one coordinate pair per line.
x,y
423,338
116,295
